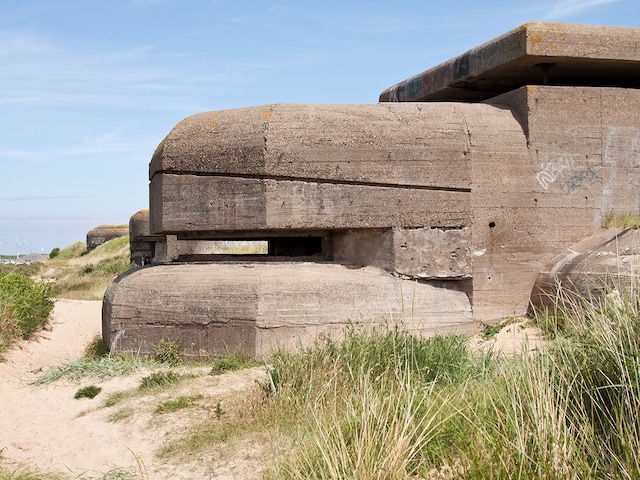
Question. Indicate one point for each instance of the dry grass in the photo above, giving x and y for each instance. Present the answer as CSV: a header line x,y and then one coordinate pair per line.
x,y
78,275
621,220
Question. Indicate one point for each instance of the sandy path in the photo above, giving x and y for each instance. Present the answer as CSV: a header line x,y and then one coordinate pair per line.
x,y
46,429
43,426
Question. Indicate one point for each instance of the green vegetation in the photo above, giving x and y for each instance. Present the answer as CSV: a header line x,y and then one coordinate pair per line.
x,y
24,307
26,269
421,411
235,360
167,352
385,404
160,379
79,275
100,368
88,392
491,330
74,250
96,349
245,247
23,472
179,403
152,383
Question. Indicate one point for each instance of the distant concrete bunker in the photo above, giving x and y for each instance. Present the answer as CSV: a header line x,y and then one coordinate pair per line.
x,y
102,234
437,208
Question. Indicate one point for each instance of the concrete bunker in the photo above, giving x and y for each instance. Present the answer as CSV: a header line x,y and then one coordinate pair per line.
x,y
102,234
436,208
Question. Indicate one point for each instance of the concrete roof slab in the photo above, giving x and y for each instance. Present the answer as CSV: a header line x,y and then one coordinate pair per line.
x,y
535,53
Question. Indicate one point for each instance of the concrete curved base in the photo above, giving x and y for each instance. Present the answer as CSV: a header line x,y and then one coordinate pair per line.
x,y
591,268
211,308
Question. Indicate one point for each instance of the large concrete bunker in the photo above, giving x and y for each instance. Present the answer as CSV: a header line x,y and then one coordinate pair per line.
x,y
436,208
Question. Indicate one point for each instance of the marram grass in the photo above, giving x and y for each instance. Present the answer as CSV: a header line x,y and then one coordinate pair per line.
x,y
568,410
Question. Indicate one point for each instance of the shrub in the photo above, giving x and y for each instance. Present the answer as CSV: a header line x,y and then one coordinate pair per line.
x,y
167,352
54,252
159,379
24,304
96,349
26,269
88,392
177,404
72,251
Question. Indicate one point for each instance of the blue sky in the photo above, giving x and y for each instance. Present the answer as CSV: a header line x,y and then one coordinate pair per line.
x,y
88,88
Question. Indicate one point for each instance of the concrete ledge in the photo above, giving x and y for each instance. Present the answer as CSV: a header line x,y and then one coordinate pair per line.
x,y
192,203
310,167
535,53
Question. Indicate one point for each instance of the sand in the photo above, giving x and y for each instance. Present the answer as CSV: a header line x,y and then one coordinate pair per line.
x,y
45,429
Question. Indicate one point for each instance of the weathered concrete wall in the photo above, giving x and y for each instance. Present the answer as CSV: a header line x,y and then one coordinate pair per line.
x,y
582,163
306,167
141,242
263,306
421,253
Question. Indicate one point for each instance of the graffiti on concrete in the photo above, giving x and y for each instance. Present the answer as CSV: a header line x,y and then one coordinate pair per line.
x,y
552,170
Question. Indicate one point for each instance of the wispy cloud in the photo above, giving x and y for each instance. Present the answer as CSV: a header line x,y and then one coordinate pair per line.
x,y
30,198
107,144
37,72
19,44
567,8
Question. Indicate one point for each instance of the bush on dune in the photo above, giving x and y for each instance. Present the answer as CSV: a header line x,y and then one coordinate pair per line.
x,y
24,307
85,276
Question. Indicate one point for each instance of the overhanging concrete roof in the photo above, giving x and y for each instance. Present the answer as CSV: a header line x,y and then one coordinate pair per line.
x,y
533,54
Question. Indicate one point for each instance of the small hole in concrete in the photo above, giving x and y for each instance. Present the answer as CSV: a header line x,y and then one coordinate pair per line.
x,y
492,224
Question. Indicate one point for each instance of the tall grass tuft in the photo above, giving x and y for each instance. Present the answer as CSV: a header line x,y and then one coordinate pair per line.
x,y
376,405
601,356
24,307
571,410
625,220
380,430
387,405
